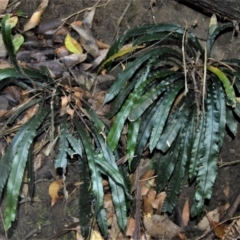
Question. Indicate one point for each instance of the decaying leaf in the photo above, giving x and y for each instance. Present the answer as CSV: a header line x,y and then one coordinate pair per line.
x,y
3,5
186,213
86,39
160,227
232,231
147,206
29,114
73,45
36,17
130,227
54,189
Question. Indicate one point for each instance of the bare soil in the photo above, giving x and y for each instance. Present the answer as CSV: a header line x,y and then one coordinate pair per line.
x,y
52,219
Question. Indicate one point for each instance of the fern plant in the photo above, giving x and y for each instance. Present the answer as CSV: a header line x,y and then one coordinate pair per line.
x,y
83,137
176,101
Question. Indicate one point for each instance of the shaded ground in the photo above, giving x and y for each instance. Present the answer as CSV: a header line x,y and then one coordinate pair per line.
x,y
53,219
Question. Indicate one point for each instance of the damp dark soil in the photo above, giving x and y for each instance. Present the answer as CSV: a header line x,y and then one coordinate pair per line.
x,y
39,214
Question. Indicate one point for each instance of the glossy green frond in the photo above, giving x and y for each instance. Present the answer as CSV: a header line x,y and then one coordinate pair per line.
x,y
21,143
207,166
162,114
61,159
91,155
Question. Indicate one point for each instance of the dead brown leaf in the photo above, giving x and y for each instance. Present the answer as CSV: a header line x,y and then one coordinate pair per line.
x,y
36,17
186,213
158,202
130,227
54,189
3,5
29,114
147,206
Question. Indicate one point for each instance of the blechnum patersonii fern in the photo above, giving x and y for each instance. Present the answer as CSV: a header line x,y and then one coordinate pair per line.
x,y
176,100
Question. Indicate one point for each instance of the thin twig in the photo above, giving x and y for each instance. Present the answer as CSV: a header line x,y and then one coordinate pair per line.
x,y
184,60
204,78
120,19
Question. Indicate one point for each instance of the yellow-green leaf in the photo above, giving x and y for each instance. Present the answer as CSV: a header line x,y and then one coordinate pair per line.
x,y
121,53
228,88
12,21
73,45
17,40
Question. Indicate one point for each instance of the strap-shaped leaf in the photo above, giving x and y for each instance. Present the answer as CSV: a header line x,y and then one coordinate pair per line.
x,y
173,126
165,165
75,144
122,95
232,122
228,88
118,195
96,178
207,167
221,106
102,222
124,76
146,125
61,159
143,102
133,129
162,114
19,163
115,131
85,213
211,38
197,148
177,181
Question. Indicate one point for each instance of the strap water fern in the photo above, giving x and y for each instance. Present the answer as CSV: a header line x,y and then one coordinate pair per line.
x,y
176,101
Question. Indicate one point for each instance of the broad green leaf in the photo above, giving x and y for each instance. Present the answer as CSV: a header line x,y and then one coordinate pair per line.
x,y
226,84
207,167
12,21
162,114
61,159
18,165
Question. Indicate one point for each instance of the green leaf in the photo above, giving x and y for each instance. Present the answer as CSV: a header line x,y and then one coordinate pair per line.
x,y
173,126
197,148
162,114
117,190
177,182
75,144
212,37
232,122
85,213
18,40
226,84
133,129
61,159
144,101
96,178
115,131
19,163
130,70
207,167
102,222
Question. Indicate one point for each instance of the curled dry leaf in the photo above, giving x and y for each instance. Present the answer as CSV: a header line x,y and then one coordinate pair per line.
x,y
36,17
54,189
29,114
